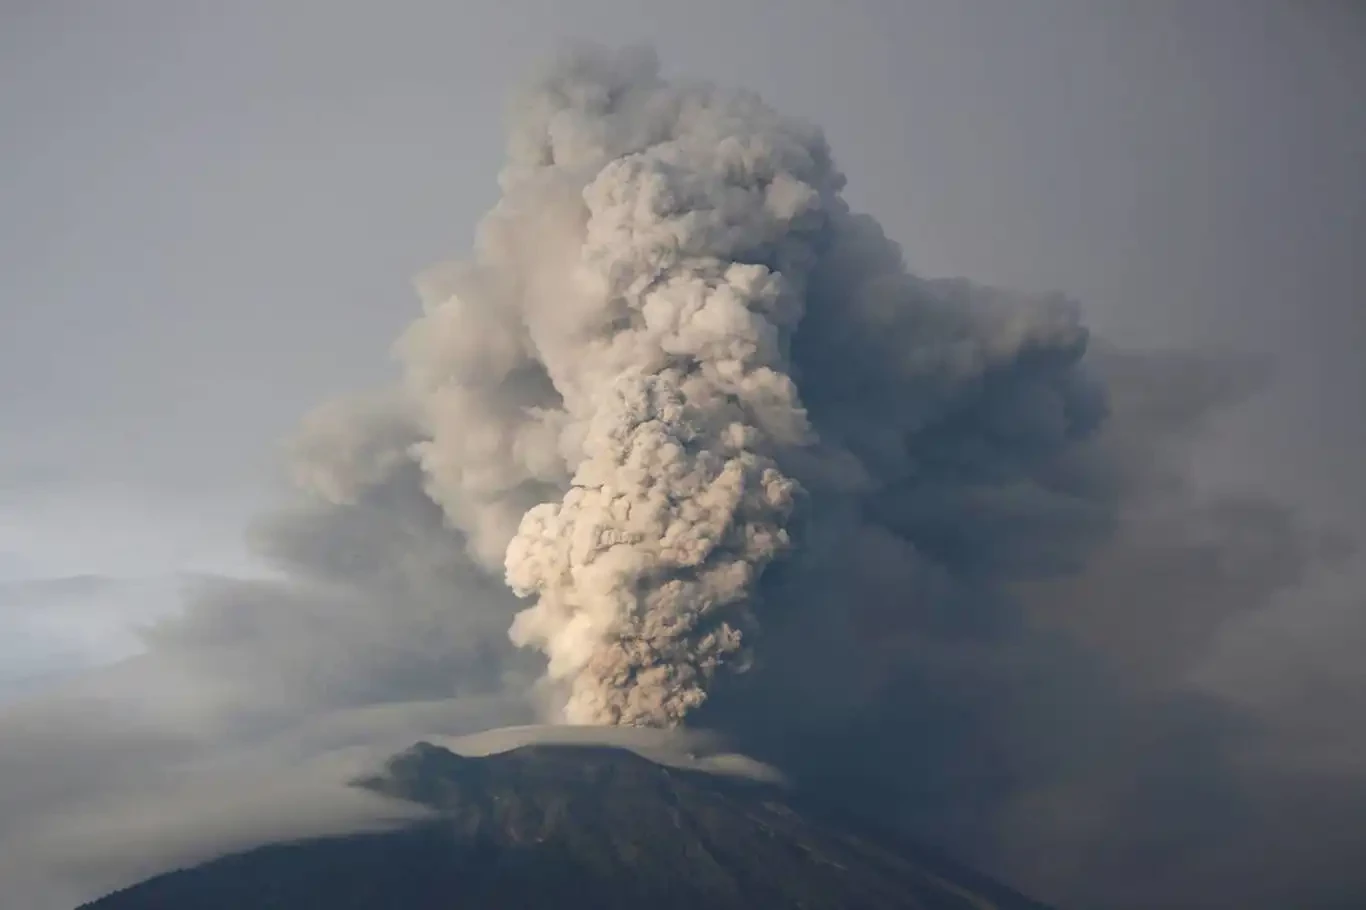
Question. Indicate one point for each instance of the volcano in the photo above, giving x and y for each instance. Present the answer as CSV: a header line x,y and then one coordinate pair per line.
x,y
573,826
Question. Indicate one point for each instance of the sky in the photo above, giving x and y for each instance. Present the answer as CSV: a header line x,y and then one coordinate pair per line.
x,y
210,216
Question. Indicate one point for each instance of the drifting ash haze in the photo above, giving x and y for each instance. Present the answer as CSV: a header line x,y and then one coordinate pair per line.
x,y
686,440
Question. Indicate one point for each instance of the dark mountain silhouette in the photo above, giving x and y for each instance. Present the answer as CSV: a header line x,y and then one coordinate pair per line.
x,y
580,827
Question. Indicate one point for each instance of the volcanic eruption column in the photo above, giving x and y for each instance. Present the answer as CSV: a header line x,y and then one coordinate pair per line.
x,y
606,391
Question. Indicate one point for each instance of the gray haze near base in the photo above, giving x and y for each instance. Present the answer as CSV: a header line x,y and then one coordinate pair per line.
x,y
1190,176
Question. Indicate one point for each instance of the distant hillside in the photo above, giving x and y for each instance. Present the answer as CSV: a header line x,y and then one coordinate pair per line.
x,y
579,827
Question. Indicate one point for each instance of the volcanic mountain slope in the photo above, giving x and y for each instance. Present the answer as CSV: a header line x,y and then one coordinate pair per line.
x,y
579,827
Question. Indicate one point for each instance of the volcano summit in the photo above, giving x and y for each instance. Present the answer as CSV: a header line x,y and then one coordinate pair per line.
x,y
581,826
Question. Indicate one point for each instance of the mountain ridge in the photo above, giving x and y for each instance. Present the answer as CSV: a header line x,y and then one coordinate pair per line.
x,y
571,825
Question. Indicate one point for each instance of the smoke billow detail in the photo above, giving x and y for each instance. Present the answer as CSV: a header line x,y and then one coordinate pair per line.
x,y
610,408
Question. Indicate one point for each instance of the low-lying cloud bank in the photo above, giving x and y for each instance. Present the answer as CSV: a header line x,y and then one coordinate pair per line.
x,y
686,441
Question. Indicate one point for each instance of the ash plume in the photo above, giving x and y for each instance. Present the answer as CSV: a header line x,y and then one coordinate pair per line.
x,y
608,389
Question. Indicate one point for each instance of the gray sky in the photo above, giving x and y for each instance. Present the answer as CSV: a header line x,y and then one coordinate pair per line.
x,y
210,214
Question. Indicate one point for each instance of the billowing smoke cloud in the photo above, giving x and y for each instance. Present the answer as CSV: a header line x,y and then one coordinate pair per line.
x,y
616,358
612,406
